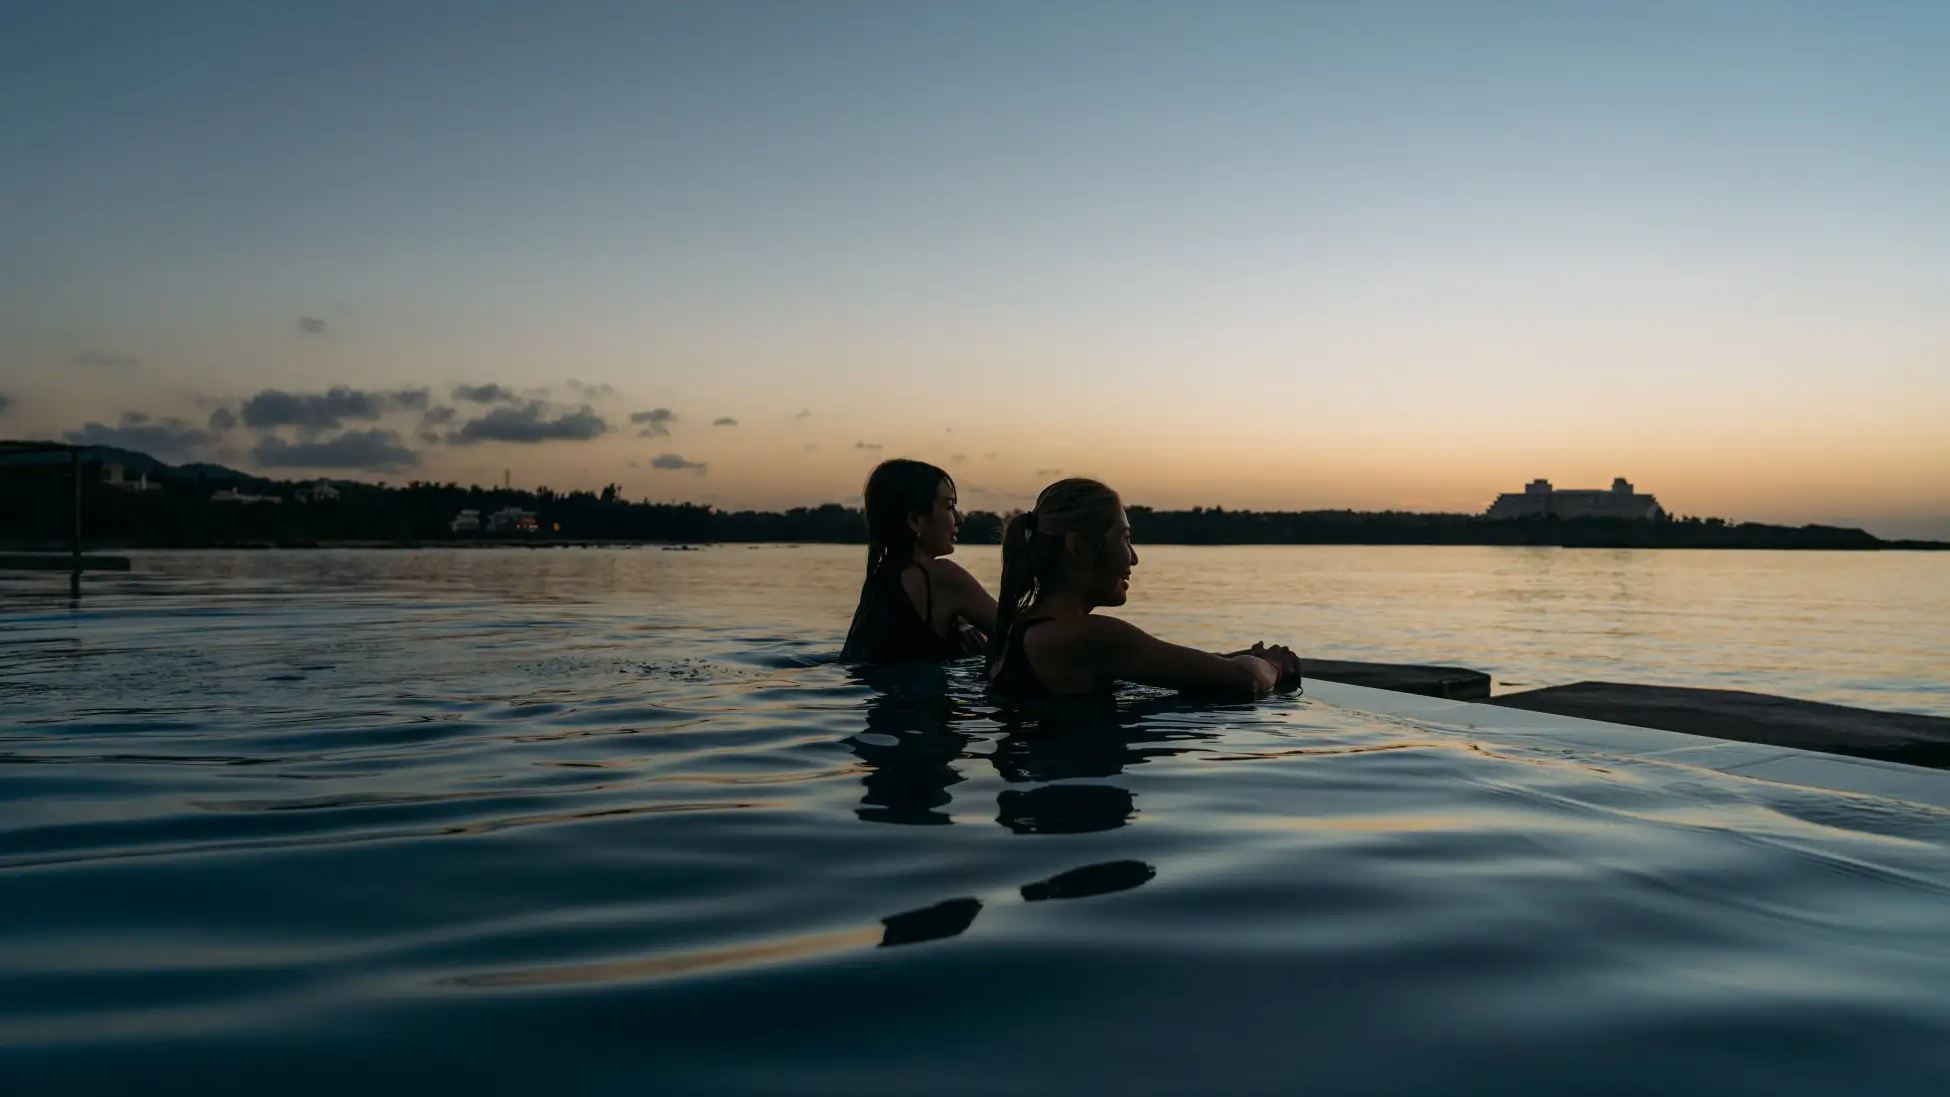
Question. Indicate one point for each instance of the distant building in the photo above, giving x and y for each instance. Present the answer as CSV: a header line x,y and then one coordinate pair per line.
x,y
1538,500
316,493
515,519
232,495
467,521
112,476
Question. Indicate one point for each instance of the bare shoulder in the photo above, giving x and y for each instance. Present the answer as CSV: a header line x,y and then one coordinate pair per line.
x,y
951,575
1097,629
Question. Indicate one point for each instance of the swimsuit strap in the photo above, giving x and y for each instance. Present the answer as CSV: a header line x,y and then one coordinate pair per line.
x,y
927,584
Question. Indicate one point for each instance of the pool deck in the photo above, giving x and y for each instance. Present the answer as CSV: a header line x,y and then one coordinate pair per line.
x,y
1782,765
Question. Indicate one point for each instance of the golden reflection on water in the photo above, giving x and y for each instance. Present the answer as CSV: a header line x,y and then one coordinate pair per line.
x,y
684,963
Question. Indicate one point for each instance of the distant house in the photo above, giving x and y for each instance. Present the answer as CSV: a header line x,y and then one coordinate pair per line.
x,y
232,495
316,493
1539,499
112,476
513,519
467,521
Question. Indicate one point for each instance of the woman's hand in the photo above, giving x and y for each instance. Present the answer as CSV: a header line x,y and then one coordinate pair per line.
x,y
1283,660
973,640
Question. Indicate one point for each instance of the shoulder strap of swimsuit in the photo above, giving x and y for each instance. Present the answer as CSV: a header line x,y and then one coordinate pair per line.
x,y
927,584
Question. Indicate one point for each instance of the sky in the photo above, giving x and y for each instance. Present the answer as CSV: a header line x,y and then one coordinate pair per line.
x,y
1286,255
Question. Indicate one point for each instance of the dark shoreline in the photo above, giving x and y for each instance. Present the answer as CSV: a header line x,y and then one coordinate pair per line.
x,y
207,506
139,545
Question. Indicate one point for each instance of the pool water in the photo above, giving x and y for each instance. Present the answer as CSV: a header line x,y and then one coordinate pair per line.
x,y
596,821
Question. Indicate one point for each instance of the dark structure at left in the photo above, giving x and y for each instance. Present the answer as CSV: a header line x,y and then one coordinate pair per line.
x,y
75,562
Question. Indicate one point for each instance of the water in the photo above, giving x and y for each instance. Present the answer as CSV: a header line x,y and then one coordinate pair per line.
x,y
586,821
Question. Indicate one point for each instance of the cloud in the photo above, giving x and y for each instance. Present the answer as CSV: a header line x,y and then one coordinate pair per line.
x,y
5,403
326,410
168,440
376,450
530,423
1049,472
489,393
726,421
223,419
958,458
591,392
868,445
671,462
311,325
98,360
807,414
438,416
655,422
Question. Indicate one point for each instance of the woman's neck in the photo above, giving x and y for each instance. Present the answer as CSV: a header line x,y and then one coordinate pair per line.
x,y
1061,603
921,555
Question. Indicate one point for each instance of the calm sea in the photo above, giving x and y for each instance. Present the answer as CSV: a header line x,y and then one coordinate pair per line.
x,y
613,820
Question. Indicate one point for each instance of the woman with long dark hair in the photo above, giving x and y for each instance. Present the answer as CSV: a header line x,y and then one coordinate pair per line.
x,y
1069,556
915,604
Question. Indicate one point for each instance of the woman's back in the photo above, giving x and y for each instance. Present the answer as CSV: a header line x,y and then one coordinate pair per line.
x,y
890,628
1015,674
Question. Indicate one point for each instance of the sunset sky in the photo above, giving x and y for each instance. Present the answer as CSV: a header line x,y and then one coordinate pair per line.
x,y
1271,255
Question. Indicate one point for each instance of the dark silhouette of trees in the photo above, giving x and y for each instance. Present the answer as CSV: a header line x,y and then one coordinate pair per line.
x,y
35,502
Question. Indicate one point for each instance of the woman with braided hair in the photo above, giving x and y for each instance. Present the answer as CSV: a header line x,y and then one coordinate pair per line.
x,y
1069,556
915,605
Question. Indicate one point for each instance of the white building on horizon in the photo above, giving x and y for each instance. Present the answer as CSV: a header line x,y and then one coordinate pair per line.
x,y
112,476
514,518
316,492
1539,499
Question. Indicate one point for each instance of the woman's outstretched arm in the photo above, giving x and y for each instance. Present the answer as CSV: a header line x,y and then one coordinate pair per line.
x,y
1110,650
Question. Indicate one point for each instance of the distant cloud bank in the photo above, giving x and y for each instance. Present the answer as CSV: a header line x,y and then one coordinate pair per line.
x,y
530,423
370,450
328,410
671,462
489,393
655,422
169,440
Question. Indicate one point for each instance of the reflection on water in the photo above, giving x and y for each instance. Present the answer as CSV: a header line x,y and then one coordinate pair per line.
x,y
1090,880
915,745
593,821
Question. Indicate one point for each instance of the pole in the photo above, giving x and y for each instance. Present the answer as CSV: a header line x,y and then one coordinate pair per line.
x,y
74,577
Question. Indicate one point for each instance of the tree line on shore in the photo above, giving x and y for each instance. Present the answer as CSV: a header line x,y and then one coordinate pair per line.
x,y
181,513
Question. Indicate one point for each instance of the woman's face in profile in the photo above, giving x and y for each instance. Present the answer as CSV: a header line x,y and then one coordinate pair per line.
x,y
1110,576
934,532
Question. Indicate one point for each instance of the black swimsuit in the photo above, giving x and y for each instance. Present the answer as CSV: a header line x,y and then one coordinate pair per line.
x,y
893,631
1015,675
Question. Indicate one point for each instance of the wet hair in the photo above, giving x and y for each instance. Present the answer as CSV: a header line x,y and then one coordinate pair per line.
x,y
1032,547
896,489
